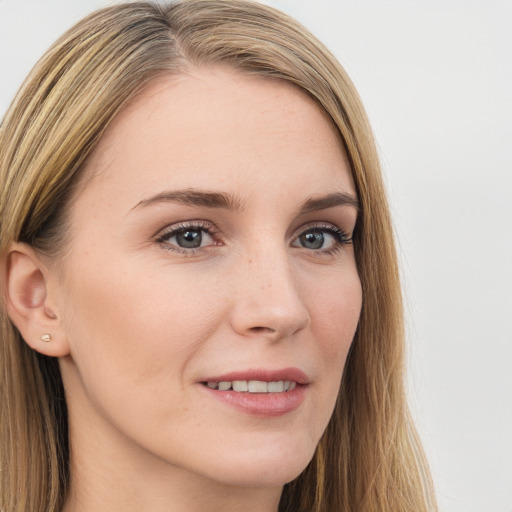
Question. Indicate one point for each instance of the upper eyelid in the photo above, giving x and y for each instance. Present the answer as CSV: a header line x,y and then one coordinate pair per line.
x,y
328,226
175,227
212,228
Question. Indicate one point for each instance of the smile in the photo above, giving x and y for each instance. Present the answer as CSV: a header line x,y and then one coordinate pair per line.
x,y
253,386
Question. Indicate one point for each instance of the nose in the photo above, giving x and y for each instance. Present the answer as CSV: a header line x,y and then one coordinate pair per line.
x,y
268,301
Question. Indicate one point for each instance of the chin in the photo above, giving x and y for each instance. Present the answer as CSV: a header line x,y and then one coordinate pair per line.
x,y
270,466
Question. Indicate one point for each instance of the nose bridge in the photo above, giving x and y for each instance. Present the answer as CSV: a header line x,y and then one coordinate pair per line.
x,y
269,298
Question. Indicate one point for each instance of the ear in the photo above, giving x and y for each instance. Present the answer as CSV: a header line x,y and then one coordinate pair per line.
x,y
29,304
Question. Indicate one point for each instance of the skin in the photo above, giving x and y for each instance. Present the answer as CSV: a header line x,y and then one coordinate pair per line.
x,y
141,321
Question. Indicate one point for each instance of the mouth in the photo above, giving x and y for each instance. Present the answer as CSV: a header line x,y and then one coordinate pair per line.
x,y
260,393
252,386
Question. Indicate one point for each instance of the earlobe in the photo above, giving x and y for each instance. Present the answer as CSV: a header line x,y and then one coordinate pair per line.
x,y
28,303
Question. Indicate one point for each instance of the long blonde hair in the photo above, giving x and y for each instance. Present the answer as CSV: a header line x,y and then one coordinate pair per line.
x,y
369,458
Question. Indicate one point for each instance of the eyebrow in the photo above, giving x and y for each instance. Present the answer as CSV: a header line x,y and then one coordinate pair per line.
x,y
195,197
329,201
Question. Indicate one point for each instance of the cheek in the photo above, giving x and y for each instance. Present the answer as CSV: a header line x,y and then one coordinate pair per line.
x,y
133,344
336,314
148,322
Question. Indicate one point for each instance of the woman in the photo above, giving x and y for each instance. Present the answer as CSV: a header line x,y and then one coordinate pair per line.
x,y
201,305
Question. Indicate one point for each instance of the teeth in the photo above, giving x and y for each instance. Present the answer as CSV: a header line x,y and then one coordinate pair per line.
x,y
276,387
258,386
253,386
240,385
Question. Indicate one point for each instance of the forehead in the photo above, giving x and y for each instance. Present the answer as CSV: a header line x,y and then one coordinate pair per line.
x,y
220,127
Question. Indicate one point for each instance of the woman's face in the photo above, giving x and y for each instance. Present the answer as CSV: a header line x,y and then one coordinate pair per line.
x,y
210,250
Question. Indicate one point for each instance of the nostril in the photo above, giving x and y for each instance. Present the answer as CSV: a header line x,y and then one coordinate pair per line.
x,y
262,329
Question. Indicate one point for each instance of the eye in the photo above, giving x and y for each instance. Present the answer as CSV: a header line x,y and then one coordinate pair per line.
x,y
187,237
190,238
314,239
322,238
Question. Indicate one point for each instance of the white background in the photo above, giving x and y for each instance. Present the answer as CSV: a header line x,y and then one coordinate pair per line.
x,y
436,78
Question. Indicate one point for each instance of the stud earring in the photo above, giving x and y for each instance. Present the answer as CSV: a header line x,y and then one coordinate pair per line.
x,y
46,337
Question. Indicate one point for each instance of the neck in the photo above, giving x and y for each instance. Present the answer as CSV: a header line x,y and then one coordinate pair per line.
x,y
108,473
99,493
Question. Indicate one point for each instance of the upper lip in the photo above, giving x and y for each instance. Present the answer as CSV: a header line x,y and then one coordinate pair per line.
x,y
265,375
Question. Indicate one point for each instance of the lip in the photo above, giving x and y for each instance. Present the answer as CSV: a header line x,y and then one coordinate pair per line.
x,y
261,405
262,374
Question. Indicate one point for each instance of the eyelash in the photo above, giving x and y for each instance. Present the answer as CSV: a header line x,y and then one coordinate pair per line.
x,y
341,238
176,229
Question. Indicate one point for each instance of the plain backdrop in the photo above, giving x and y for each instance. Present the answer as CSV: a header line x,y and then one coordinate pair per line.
x,y
436,78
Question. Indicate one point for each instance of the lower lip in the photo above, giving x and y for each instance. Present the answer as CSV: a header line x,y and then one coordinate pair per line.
x,y
262,405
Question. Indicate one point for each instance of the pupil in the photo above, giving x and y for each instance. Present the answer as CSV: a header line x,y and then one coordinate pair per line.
x,y
189,239
312,240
